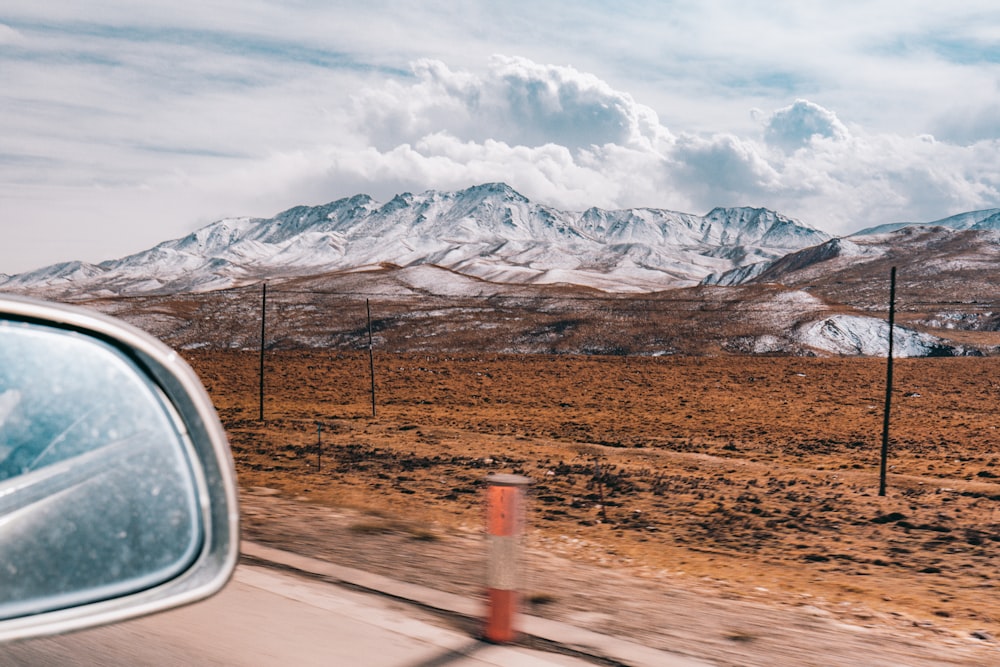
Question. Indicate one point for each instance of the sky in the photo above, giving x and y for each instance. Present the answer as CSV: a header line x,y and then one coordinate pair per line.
x,y
124,124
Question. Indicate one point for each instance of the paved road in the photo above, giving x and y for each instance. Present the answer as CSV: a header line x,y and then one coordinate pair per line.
x,y
266,618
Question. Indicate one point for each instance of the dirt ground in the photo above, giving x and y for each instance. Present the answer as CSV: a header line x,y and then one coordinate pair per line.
x,y
752,479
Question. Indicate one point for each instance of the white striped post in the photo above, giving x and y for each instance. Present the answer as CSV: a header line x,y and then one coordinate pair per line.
x,y
505,501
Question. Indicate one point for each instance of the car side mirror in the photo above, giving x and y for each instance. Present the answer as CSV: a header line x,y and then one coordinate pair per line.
x,y
117,490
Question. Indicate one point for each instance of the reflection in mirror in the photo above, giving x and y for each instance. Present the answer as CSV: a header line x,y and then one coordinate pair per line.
x,y
97,497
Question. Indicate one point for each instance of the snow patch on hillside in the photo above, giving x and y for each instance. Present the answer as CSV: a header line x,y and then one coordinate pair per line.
x,y
868,336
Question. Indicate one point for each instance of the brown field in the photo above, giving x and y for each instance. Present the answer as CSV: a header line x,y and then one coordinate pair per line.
x,y
757,474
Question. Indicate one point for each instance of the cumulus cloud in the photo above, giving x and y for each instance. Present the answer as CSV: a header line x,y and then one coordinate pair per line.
x,y
516,101
571,108
569,139
723,169
795,126
872,178
549,173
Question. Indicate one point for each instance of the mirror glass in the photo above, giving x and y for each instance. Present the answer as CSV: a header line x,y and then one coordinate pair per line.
x,y
97,496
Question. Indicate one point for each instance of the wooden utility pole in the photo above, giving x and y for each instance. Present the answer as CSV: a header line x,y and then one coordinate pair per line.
x,y
371,353
888,383
263,314
319,447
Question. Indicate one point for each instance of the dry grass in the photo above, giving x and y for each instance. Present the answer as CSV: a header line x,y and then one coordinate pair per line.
x,y
760,473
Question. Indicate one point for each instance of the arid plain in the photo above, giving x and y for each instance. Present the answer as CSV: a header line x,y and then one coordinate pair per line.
x,y
758,475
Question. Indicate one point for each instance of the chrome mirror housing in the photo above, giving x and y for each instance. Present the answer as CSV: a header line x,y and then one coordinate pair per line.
x,y
117,489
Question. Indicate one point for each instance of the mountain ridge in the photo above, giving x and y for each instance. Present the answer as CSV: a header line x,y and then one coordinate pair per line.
x,y
488,231
985,219
742,279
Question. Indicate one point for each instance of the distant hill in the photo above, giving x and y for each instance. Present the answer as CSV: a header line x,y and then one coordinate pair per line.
x,y
988,219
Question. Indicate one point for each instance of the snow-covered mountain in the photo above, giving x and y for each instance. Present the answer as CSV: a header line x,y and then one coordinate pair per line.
x,y
789,288
963,249
947,282
945,262
988,219
489,232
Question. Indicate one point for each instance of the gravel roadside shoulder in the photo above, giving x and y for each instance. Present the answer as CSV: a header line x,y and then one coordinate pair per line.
x,y
666,611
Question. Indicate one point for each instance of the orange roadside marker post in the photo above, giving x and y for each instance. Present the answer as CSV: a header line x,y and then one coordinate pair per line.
x,y
505,502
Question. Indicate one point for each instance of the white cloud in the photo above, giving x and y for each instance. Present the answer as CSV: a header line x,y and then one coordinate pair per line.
x,y
723,170
967,124
572,140
835,179
548,103
516,101
9,35
845,184
795,126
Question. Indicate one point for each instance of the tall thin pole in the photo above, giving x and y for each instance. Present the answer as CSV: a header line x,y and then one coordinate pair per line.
x,y
888,383
263,313
319,447
371,353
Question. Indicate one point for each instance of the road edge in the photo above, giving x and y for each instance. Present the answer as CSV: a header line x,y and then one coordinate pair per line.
x,y
565,638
